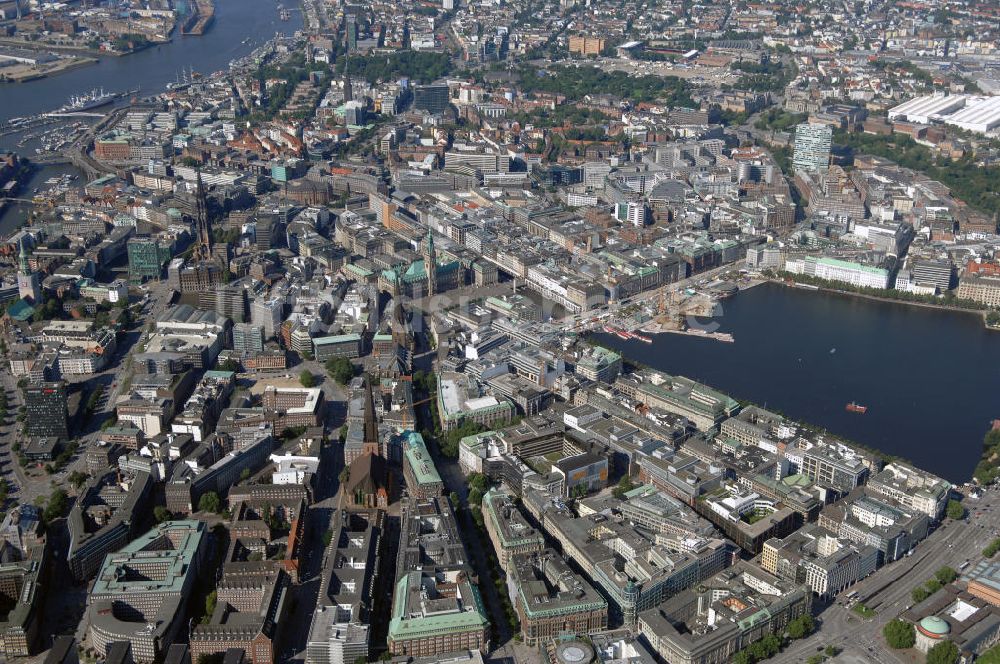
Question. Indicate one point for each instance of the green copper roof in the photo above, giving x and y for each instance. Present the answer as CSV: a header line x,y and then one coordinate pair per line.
x,y
935,626
21,310
337,339
419,459
404,627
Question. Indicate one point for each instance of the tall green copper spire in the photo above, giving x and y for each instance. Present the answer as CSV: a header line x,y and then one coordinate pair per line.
x,y
22,258
430,263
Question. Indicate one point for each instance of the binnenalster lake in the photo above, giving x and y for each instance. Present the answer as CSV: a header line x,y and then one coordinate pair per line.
x,y
930,378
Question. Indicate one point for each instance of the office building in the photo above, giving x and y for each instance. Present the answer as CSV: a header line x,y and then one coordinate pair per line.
x,y
834,466
103,520
509,531
699,403
339,345
876,521
248,339
938,274
45,410
552,600
634,569
146,258
341,621
586,45
912,488
461,399
268,313
431,98
422,478
835,269
196,334
599,364
812,147
723,615
189,482
228,301
436,611
22,581
141,592
248,616
984,289
197,277
827,564
355,114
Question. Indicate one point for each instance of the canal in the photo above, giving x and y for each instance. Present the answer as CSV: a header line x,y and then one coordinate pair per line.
x,y
930,378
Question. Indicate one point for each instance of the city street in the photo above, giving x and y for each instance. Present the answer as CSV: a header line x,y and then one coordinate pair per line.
x,y
887,591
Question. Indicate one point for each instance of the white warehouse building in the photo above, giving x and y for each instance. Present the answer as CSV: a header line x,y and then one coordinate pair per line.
x,y
927,108
980,115
973,113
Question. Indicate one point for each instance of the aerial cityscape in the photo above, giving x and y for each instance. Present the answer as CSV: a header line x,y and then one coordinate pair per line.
x,y
501,332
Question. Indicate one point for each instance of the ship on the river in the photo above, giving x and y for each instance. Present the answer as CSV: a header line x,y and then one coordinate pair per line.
x,y
93,99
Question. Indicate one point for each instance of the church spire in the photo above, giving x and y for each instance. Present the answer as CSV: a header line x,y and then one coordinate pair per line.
x,y
22,258
430,263
203,249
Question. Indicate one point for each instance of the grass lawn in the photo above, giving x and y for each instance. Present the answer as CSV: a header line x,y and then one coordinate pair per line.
x,y
863,611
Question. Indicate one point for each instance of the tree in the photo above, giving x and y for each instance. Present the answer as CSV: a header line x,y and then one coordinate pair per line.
x,y
244,474
209,502
945,652
340,369
475,497
56,505
945,575
831,651
161,514
76,478
899,634
772,644
210,600
624,486
954,510
327,537
360,659
478,481
919,594
454,500
801,627
307,379
229,365
991,656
